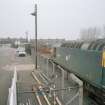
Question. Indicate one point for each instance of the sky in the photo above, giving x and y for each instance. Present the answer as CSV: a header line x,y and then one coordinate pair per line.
x,y
56,18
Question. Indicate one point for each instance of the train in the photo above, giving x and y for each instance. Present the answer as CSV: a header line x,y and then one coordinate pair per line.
x,y
86,59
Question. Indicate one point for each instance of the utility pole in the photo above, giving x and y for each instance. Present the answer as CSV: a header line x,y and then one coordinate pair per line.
x,y
26,36
35,14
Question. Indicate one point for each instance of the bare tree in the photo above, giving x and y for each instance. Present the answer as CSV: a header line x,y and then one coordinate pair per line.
x,y
90,33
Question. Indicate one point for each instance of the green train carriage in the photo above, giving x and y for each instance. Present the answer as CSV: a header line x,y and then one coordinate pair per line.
x,y
89,65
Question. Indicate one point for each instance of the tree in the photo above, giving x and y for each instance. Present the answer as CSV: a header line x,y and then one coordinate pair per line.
x,y
90,33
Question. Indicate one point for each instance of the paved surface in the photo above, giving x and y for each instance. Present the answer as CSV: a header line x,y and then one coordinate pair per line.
x,y
5,76
26,83
8,60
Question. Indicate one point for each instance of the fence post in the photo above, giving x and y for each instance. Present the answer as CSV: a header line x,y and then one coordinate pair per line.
x,y
53,69
15,80
80,83
47,67
62,79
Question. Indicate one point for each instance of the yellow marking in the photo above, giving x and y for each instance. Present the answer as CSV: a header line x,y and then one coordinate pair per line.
x,y
36,78
103,59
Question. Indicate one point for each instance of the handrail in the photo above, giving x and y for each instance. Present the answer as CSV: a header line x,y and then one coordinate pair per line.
x,y
12,97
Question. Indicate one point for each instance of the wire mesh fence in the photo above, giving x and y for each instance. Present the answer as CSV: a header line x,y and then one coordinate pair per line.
x,y
62,81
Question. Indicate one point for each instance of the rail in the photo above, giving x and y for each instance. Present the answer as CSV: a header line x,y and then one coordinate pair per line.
x,y
12,97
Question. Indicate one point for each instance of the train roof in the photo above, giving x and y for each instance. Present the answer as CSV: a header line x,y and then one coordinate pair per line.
x,y
98,45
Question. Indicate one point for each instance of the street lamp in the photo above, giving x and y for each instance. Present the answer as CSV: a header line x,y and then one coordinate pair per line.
x,y
35,14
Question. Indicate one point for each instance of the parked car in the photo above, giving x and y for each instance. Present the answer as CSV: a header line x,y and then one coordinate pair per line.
x,y
20,51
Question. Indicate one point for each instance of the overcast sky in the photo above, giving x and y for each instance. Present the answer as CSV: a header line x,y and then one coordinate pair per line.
x,y
56,18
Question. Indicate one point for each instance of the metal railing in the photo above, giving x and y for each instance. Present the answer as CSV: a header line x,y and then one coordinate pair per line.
x,y
12,96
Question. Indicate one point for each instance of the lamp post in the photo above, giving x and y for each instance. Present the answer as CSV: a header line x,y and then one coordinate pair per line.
x,y
35,14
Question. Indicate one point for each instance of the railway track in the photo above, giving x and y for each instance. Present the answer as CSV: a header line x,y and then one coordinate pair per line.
x,y
35,92
41,95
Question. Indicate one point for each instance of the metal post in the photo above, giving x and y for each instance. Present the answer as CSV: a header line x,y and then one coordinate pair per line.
x,y
41,62
35,14
54,82
62,80
80,83
53,69
36,35
54,96
47,67
67,75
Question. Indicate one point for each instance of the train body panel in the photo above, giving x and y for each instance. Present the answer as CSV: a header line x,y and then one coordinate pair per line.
x,y
85,64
